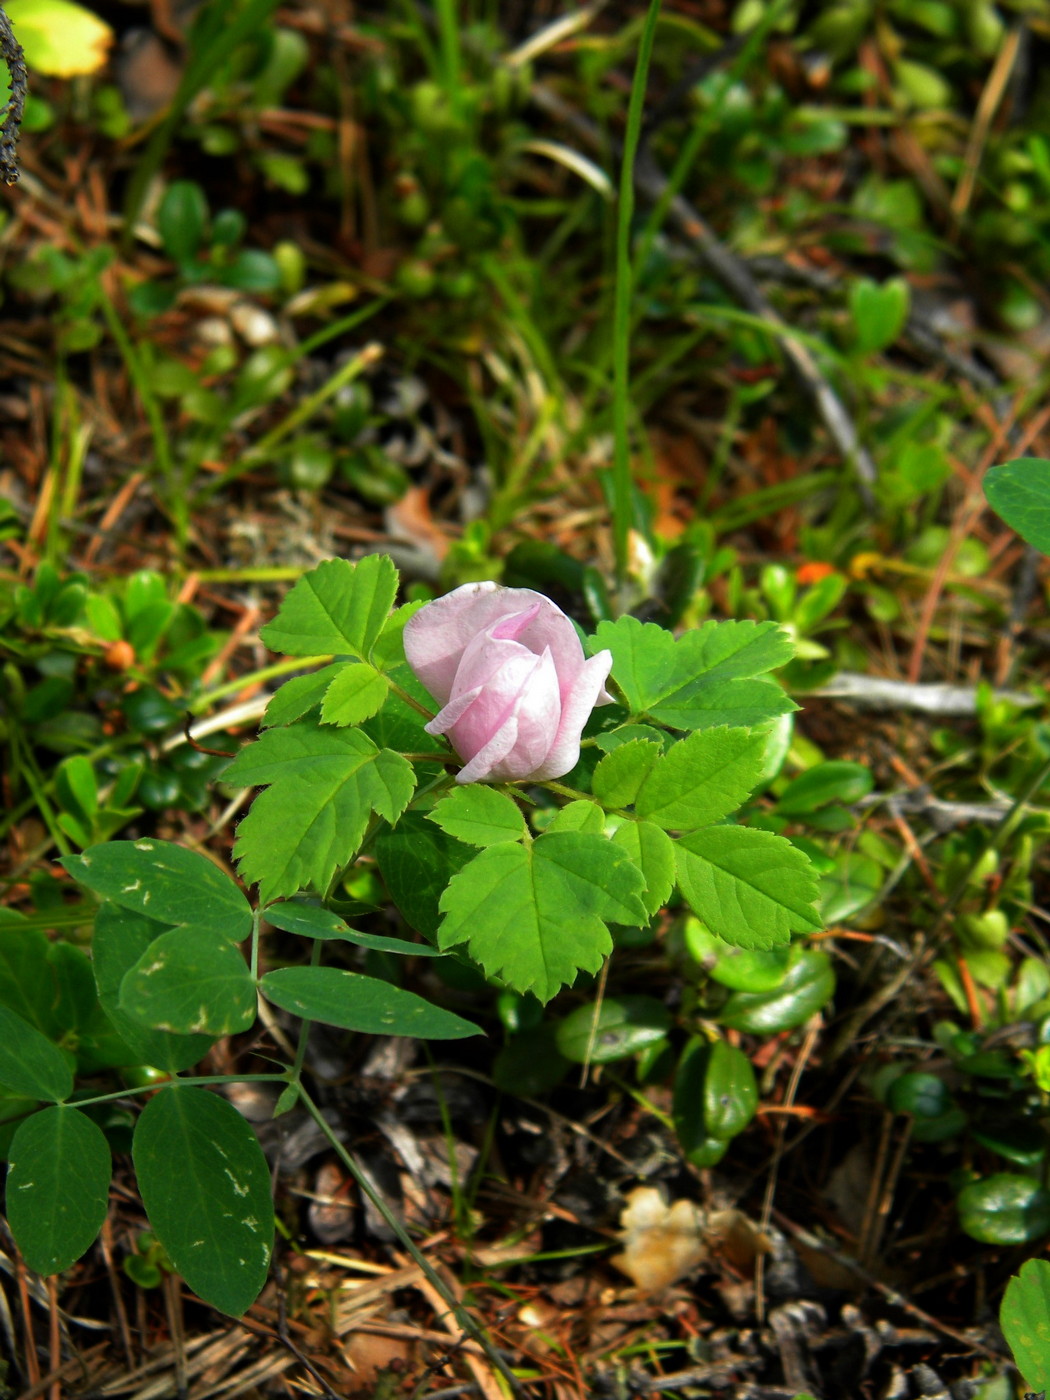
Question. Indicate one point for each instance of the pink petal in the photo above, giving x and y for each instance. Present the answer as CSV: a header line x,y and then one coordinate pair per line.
x,y
525,731
586,693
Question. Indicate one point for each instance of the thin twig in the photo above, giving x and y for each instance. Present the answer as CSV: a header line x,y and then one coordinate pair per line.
x,y
880,693
11,50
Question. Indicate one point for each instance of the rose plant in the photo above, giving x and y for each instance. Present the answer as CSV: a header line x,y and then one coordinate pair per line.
x,y
520,792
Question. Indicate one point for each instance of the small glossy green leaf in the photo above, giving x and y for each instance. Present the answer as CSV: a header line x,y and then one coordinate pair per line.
x,y
1025,1320
702,779
806,988
832,781
181,220
57,1187
920,1094
337,607
730,1091
479,815
652,851
739,969
855,881
880,312
164,882
536,915
1005,1209
30,1064
359,1003
206,1188
356,693
618,1027
188,984
750,887
121,938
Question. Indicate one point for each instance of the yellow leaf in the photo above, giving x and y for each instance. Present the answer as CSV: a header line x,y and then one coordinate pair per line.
x,y
60,38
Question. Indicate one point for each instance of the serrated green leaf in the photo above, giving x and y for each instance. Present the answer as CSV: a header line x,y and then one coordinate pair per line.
x,y
479,815
121,938
164,882
750,887
1019,491
30,1064
613,739
416,862
356,693
579,816
707,677
389,650
206,1188
325,783
338,607
300,695
359,1003
652,851
188,984
534,915
57,1187
621,773
702,778
1025,1320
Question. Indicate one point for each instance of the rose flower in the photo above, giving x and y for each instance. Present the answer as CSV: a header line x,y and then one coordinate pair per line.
x,y
508,668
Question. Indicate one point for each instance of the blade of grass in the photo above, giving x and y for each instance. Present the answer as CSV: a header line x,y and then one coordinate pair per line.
x,y
622,303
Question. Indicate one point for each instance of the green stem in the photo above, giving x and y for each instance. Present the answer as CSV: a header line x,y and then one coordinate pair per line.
x,y
299,415
622,483
265,673
206,1080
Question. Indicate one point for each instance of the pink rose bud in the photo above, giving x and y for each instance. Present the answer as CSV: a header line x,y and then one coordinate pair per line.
x,y
509,670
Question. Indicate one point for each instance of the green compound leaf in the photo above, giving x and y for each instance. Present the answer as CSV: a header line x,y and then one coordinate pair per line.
x,y
702,778
357,692
206,1188
164,882
359,1003
188,984
535,915
479,815
1019,491
311,821
1004,1209
57,1187
652,851
338,607
711,676
300,695
621,773
121,938
1025,1320
30,1064
749,887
